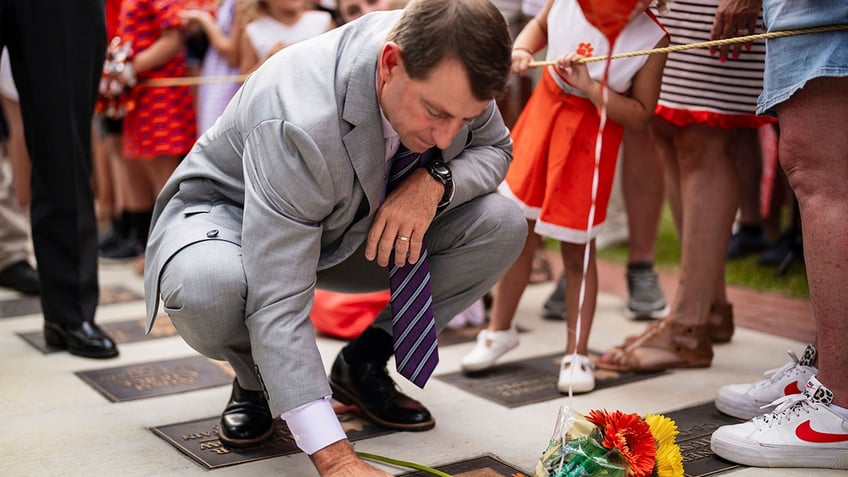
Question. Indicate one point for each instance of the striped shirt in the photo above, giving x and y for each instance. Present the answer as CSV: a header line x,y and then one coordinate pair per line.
x,y
694,80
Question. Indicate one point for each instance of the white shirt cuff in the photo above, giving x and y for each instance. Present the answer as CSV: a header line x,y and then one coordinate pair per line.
x,y
314,425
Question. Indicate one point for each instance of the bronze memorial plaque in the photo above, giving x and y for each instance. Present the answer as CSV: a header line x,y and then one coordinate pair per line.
x,y
696,424
518,383
484,466
159,378
28,305
121,331
199,440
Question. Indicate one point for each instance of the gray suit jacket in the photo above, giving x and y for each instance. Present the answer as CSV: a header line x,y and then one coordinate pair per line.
x,y
294,171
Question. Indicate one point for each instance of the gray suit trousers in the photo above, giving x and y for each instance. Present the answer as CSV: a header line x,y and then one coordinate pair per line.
x,y
203,286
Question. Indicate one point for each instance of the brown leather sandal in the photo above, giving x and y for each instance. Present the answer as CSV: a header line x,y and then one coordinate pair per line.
x,y
664,345
720,324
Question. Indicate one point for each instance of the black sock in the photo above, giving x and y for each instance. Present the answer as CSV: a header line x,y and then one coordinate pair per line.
x,y
140,225
748,229
121,225
640,265
373,345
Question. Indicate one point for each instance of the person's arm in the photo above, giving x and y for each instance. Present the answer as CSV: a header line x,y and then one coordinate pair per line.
x,y
167,46
248,59
634,111
532,38
227,46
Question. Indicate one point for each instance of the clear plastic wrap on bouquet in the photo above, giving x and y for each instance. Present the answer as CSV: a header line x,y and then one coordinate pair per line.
x,y
575,450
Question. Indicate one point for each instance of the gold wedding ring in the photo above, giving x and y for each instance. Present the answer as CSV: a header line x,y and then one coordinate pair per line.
x,y
402,238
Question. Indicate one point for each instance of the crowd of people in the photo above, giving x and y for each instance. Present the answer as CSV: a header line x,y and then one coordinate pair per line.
x,y
394,155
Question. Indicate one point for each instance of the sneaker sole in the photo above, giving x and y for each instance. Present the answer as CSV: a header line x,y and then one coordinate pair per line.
x,y
343,396
652,314
784,456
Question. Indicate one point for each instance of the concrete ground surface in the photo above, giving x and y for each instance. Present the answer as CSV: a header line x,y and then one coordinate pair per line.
x,y
52,423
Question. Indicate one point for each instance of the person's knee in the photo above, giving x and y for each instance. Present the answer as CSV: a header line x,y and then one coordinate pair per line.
x,y
206,285
506,222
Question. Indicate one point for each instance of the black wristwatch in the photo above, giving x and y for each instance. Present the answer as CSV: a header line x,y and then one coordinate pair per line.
x,y
442,173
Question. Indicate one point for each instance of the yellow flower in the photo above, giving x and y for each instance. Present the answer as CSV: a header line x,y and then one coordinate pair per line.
x,y
669,460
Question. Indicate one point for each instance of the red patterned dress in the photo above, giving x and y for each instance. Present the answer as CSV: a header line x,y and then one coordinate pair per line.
x,y
163,121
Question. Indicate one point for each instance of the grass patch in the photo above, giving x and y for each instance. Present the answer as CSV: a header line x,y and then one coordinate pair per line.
x,y
743,272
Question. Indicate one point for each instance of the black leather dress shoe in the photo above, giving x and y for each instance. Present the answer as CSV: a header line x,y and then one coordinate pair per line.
x,y
85,339
369,387
247,420
20,276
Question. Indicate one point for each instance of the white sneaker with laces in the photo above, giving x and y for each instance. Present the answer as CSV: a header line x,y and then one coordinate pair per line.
x,y
748,400
803,431
577,373
490,346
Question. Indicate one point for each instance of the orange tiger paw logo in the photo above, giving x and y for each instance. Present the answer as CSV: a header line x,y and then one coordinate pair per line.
x,y
585,49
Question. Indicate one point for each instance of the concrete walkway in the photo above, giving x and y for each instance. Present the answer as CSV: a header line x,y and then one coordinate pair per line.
x,y
53,423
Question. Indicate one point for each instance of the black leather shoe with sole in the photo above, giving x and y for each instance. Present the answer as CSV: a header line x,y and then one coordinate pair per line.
x,y
85,339
247,419
370,388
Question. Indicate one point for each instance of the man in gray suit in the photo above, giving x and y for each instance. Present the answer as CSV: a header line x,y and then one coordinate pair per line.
x,y
287,192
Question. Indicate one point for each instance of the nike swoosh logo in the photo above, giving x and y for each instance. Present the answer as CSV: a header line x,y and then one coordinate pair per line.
x,y
792,388
805,432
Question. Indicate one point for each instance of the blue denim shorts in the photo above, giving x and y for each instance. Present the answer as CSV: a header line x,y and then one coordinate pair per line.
x,y
791,61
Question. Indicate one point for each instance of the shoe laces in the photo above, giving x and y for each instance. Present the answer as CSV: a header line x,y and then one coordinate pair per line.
x,y
644,279
788,370
788,407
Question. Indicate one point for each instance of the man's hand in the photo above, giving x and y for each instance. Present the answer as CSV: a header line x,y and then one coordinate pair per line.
x,y
403,219
735,18
339,460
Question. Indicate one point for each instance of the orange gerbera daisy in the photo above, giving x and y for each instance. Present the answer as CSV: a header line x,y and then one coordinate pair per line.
x,y
630,436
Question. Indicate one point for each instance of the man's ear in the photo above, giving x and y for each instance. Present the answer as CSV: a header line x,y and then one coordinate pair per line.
x,y
390,58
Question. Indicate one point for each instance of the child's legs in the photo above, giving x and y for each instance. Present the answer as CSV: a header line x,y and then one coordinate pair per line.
x,y
511,286
573,255
159,170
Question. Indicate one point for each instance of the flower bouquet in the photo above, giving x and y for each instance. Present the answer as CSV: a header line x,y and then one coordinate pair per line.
x,y
611,444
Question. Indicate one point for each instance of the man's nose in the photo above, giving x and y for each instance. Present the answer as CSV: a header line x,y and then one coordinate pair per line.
x,y
446,130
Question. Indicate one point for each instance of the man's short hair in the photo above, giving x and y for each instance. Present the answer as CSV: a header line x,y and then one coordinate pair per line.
x,y
472,31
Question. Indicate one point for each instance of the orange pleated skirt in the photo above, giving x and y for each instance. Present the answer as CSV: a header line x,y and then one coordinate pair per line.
x,y
553,166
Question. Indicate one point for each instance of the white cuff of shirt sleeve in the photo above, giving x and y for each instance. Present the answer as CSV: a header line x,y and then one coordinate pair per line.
x,y
314,425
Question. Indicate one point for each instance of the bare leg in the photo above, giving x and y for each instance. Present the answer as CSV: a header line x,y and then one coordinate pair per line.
x,y
814,154
642,184
572,259
708,192
709,196
509,289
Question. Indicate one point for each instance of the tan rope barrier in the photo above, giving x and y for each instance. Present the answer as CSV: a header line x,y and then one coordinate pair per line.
x,y
197,80
194,80
705,44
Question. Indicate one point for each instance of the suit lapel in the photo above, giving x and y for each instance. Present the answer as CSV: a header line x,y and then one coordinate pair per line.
x,y
364,142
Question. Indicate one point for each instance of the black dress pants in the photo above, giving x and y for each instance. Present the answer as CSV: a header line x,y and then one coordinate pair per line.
x,y
56,48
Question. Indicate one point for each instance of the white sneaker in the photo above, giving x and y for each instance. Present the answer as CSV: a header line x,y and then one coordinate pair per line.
x,y
803,431
748,400
490,346
576,373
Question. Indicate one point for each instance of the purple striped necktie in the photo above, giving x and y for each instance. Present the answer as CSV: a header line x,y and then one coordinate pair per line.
x,y
413,326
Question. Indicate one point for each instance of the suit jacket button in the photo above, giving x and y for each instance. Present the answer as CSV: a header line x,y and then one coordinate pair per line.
x,y
212,233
